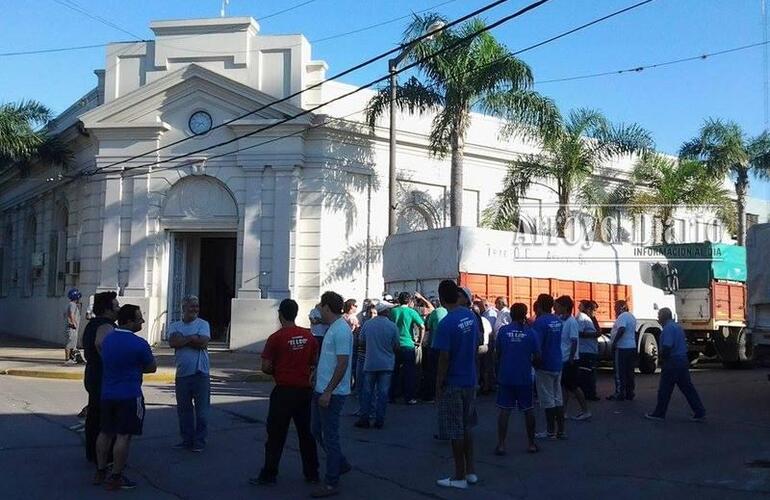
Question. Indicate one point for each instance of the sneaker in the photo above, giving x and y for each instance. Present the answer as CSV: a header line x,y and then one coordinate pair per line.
x,y
362,424
182,446
582,416
412,402
70,362
99,477
656,418
472,478
544,435
197,448
119,482
325,490
698,418
262,480
448,482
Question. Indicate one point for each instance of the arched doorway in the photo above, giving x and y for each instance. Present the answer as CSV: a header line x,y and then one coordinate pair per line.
x,y
200,217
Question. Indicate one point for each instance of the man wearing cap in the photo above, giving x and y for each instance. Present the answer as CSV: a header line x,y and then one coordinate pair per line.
x,y
72,324
380,338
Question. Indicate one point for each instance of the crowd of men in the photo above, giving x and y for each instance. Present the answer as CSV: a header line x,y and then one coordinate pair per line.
x,y
464,346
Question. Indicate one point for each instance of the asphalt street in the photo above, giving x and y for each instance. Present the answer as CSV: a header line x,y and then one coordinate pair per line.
x,y
618,454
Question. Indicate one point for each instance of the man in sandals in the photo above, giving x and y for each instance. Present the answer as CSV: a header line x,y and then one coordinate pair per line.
x,y
516,347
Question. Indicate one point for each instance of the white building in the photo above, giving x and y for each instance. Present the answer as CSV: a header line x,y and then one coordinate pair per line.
x,y
290,217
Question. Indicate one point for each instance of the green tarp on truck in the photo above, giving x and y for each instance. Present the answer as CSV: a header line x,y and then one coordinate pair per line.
x,y
697,264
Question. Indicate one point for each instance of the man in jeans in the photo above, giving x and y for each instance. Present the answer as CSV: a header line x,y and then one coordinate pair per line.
x,y
190,338
588,348
430,361
380,337
405,373
675,369
289,356
624,348
332,386
457,342
125,357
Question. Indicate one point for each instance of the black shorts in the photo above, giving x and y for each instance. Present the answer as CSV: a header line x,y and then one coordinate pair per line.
x,y
569,376
122,416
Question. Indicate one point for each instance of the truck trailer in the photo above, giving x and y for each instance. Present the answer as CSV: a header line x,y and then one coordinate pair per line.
x,y
758,283
519,267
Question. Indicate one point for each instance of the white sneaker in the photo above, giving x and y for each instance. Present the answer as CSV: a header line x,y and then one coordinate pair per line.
x,y
461,484
583,416
70,362
472,478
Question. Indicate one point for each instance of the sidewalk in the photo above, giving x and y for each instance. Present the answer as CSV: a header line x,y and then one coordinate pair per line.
x,y
23,357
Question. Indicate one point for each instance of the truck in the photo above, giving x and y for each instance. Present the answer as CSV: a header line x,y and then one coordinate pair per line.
x,y
710,293
519,267
758,284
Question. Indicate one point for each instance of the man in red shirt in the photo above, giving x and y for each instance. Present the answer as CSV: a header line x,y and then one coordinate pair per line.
x,y
290,356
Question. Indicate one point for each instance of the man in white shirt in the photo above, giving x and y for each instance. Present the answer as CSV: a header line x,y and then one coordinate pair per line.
x,y
570,356
625,352
503,316
190,339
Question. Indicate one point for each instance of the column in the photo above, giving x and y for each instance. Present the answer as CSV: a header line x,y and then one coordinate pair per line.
x,y
252,229
283,229
137,266
110,235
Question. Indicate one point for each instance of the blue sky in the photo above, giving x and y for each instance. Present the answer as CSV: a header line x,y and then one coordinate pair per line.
x,y
671,102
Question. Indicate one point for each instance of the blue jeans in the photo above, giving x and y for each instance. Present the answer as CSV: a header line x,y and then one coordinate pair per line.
x,y
404,374
193,421
325,425
676,371
359,371
380,380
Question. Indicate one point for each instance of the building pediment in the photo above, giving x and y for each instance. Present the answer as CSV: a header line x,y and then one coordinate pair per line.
x,y
189,88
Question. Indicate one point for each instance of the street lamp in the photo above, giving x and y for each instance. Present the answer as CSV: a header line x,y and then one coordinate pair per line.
x,y
393,70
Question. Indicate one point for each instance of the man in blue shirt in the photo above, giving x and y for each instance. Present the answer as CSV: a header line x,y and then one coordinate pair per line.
x,y
547,328
516,347
190,338
675,369
457,342
125,357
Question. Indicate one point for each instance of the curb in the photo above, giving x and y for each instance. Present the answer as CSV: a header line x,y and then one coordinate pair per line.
x,y
148,377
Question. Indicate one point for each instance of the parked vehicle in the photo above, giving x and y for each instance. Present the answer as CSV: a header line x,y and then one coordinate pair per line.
x,y
758,282
710,294
519,267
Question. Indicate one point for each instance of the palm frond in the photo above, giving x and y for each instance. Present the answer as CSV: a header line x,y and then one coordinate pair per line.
x,y
412,96
526,112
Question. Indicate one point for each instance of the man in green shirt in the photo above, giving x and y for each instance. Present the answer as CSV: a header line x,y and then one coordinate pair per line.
x,y
405,373
430,355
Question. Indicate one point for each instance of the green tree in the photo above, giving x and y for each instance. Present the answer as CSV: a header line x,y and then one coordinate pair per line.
x,y
23,139
725,150
584,142
663,184
479,74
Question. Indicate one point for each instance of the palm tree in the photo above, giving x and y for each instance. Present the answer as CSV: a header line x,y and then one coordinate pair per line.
x,y
725,149
479,74
663,184
23,140
602,201
569,158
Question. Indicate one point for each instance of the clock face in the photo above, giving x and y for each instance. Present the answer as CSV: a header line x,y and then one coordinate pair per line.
x,y
200,122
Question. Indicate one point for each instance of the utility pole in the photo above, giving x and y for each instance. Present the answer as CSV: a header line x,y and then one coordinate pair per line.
x,y
766,72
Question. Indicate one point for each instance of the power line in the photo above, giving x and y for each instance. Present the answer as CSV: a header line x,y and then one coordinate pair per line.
x,y
71,4
314,41
639,69
479,68
287,9
319,84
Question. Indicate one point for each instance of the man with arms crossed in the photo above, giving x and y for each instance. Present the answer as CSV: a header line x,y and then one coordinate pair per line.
x,y
190,337
290,357
126,356
332,387
624,348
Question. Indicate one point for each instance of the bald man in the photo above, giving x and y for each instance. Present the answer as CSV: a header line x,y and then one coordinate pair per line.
x,y
675,369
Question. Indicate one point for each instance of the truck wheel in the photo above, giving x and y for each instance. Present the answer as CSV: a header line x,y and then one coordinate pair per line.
x,y
742,350
648,354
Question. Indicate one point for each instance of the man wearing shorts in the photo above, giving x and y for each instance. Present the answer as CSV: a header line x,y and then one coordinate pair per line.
x,y
516,346
125,357
547,328
457,342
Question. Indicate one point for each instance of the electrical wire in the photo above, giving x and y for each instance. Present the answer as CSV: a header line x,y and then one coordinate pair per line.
x,y
319,84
